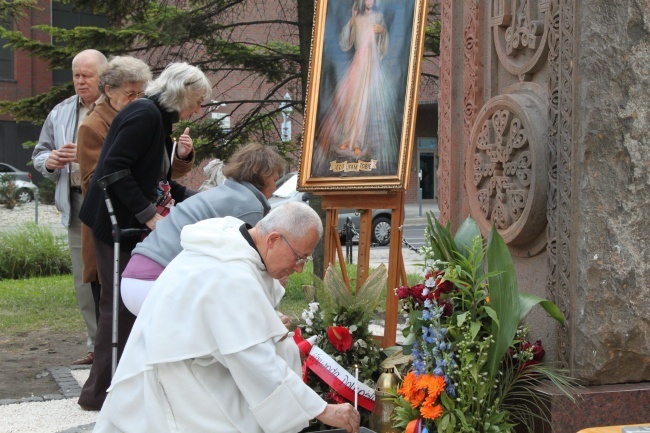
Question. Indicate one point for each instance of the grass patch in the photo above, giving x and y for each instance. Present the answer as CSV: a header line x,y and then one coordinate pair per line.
x,y
28,305
31,250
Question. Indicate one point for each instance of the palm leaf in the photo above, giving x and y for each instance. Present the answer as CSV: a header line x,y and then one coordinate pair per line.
x,y
336,287
504,299
528,301
369,295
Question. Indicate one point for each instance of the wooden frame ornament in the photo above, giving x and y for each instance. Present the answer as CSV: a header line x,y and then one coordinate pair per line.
x,y
362,94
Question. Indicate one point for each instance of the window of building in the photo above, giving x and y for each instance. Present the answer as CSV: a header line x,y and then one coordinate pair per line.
x,y
6,54
67,17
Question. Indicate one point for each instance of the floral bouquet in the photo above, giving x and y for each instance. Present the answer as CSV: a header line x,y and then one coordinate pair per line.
x,y
338,325
472,363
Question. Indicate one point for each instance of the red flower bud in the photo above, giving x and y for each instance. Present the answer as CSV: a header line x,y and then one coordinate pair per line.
x,y
402,292
444,286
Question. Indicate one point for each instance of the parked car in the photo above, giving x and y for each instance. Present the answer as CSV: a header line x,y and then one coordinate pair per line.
x,y
6,169
24,191
287,191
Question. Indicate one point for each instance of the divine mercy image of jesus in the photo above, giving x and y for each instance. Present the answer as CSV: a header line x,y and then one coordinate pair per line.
x,y
362,91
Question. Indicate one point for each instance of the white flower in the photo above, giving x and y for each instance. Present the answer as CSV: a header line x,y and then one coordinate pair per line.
x,y
353,328
313,306
309,322
361,343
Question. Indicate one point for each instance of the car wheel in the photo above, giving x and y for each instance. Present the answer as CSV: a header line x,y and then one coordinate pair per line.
x,y
381,230
24,195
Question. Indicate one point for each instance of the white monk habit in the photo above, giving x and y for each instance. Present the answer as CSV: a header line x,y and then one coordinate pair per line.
x,y
208,351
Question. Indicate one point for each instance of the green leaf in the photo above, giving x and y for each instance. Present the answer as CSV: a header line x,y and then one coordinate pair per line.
x,y
409,341
460,319
474,328
504,299
527,301
493,314
465,236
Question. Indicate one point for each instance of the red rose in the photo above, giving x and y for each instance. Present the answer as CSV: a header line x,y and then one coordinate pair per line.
x,y
402,292
416,291
444,286
340,338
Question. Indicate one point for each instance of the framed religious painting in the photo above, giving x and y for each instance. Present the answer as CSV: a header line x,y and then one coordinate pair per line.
x,y
362,94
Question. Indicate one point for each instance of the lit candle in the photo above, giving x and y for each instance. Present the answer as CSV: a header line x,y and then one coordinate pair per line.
x,y
356,385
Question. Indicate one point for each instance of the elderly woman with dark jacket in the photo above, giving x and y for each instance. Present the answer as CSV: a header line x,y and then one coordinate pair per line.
x,y
137,153
121,82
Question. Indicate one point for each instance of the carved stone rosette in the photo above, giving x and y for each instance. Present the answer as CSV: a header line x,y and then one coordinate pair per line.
x,y
507,170
520,29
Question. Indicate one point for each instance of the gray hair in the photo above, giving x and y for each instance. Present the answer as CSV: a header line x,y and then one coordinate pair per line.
x,y
124,69
179,85
100,59
294,217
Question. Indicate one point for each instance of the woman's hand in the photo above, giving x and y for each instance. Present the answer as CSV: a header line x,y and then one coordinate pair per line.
x,y
341,415
378,29
151,224
185,144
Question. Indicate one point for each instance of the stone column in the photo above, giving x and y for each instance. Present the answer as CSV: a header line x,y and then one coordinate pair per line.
x,y
544,131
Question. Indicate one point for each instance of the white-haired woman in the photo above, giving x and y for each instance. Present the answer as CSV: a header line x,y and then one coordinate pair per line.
x,y
137,151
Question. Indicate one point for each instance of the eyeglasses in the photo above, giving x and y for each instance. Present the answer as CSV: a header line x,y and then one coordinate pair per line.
x,y
299,260
132,95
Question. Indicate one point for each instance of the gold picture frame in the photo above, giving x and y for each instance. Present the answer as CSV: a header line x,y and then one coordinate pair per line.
x,y
362,94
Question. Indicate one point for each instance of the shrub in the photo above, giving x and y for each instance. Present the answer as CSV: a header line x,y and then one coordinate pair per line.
x,y
33,251
8,191
46,189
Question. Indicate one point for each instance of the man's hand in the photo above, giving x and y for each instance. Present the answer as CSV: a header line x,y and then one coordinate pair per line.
x,y
341,415
185,144
59,158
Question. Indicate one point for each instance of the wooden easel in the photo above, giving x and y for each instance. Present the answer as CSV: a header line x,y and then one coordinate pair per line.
x,y
365,202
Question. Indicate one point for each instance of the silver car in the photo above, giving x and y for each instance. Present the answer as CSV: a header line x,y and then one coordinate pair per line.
x,y
287,191
6,169
24,191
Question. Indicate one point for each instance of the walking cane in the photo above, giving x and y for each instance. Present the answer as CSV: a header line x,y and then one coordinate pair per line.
x,y
118,233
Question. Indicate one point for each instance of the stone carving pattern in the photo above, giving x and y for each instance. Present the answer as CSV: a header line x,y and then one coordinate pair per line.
x,y
470,68
502,169
521,45
560,154
445,122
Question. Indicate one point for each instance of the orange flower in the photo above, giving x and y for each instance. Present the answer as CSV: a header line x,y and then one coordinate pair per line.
x,y
411,390
434,385
431,412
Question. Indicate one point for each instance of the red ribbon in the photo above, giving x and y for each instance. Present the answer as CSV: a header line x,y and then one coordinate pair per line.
x,y
329,378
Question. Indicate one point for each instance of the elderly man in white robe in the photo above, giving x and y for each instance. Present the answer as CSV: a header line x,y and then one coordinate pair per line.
x,y
208,352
